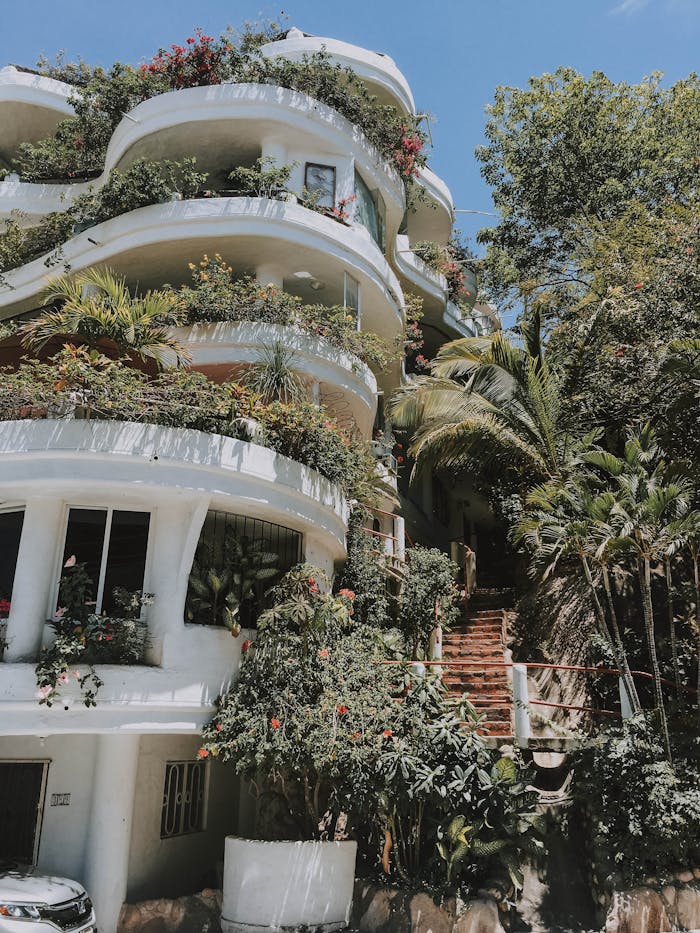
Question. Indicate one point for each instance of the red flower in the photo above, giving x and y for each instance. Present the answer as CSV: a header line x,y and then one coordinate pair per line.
x,y
348,594
356,735
323,653
202,753
245,646
399,459
342,709
639,285
387,733
108,637
218,727
275,723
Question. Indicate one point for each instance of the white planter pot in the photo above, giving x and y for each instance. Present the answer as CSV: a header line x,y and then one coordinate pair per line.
x,y
284,885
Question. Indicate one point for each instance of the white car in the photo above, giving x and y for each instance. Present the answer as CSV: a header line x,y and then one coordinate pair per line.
x,y
33,903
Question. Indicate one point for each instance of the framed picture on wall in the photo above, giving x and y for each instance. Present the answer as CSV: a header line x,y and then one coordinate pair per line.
x,y
320,180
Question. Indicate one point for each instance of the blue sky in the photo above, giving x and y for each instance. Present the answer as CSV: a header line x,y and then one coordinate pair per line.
x,y
453,52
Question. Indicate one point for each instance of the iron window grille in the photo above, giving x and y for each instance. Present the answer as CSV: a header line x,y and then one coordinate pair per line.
x,y
184,798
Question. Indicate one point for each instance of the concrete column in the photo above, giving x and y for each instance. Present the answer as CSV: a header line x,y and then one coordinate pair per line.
x,y
109,830
521,708
400,535
274,148
269,273
174,538
34,577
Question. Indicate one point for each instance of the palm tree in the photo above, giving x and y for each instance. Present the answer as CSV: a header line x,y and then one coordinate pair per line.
x,y
97,304
649,506
488,402
560,522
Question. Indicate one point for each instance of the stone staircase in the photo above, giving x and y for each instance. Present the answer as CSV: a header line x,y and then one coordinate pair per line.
x,y
479,637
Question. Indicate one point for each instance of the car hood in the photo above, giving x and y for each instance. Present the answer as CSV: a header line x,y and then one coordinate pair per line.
x,y
30,887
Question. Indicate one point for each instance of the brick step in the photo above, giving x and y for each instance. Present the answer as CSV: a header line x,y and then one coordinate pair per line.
x,y
483,614
464,647
475,677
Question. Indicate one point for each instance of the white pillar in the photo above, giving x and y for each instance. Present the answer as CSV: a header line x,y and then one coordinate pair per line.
x,y
625,705
269,273
400,535
109,831
274,148
174,537
521,704
34,577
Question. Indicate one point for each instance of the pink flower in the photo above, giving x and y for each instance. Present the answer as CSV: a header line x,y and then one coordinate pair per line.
x,y
43,692
639,285
323,653
275,723
246,644
341,709
218,727
348,594
71,562
387,733
202,753
63,679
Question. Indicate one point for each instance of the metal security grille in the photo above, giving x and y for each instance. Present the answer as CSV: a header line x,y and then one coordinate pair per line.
x,y
183,798
213,552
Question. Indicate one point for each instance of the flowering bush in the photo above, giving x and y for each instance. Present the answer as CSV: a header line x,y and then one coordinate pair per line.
x,y
308,714
85,637
101,99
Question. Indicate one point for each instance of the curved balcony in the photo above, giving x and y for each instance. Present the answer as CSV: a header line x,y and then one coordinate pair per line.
x,y
31,106
146,462
432,219
378,71
340,381
154,244
223,126
177,476
431,285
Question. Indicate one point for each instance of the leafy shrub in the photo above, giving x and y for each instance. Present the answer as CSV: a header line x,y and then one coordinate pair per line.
x,y
265,179
108,390
216,296
315,719
429,597
143,183
642,813
364,574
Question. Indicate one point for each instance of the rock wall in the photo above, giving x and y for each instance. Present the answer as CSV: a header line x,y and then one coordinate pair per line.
x,y
379,909
197,913
657,908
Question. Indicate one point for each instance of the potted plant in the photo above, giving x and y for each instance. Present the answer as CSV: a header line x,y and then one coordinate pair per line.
x,y
304,724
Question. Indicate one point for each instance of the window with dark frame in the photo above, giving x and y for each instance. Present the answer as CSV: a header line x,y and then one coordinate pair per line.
x,y
112,543
320,180
184,798
10,534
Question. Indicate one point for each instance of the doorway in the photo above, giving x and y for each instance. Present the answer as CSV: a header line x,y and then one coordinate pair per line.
x,y
22,787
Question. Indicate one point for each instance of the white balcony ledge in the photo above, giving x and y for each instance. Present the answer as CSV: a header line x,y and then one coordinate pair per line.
x,y
154,244
31,107
432,285
432,220
112,461
347,386
179,698
378,71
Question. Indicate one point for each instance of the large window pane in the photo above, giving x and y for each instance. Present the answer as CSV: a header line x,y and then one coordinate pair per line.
x,y
85,536
126,557
366,209
10,534
124,562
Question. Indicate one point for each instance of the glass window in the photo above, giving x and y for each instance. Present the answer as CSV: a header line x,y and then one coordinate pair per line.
x,y
366,209
237,560
112,544
10,534
184,795
319,180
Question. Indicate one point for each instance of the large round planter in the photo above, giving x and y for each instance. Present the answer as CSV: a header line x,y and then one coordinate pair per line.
x,y
285,885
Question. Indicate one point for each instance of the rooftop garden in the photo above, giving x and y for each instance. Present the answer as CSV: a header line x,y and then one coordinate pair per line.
x,y
102,97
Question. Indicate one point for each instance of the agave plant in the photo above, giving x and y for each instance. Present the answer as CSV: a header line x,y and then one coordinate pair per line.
x,y
273,376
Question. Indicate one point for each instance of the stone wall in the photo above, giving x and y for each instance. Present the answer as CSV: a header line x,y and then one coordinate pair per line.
x,y
656,908
380,909
197,913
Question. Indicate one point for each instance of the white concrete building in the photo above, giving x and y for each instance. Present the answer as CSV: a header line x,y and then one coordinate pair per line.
x,y
113,795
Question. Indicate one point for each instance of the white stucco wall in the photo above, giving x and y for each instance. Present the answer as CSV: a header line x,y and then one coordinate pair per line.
x,y
182,864
71,761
